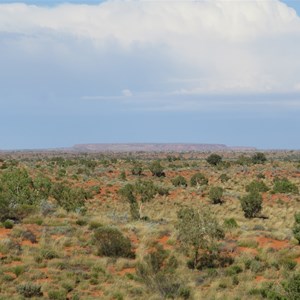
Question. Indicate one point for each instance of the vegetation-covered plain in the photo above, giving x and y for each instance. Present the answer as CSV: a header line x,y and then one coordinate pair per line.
x,y
150,225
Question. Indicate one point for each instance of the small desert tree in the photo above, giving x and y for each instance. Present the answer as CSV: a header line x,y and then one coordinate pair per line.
x,y
251,204
214,159
198,231
258,158
157,169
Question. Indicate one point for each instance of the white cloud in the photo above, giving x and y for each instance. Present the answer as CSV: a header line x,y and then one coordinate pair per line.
x,y
212,46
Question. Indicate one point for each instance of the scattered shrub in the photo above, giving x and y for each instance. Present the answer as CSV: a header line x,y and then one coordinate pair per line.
x,y
258,158
256,186
215,194
251,204
198,179
214,159
157,169
29,290
284,186
296,227
8,224
179,181
111,242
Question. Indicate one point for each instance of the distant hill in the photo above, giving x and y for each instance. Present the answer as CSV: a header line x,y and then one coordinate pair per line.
x,y
156,147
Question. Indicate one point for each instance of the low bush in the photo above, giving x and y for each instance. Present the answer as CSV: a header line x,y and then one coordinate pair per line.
x,y
179,181
29,290
251,204
284,186
198,179
111,242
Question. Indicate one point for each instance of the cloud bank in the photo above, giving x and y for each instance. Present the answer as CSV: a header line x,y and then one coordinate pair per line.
x,y
169,48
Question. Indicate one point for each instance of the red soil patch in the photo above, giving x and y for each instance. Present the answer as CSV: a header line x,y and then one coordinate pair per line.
x,y
265,242
282,197
127,271
260,279
247,250
4,232
164,241
15,263
297,260
28,243
97,294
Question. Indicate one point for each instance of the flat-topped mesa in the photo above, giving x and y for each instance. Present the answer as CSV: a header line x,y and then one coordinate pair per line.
x,y
155,147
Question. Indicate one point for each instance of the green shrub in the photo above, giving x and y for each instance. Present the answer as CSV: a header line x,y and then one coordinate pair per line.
x,y
157,169
292,287
214,159
57,295
230,223
8,224
256,186
137,169
251,204
29,290
284,186
224,178
179,181
111,242
71,199
198,179
215,194
258,158
296,227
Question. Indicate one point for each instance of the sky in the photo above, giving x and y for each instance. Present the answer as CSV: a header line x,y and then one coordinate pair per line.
x,y
211,71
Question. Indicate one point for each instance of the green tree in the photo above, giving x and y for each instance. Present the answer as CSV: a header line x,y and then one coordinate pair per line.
x,y
214,159
198,231
251,204
258,158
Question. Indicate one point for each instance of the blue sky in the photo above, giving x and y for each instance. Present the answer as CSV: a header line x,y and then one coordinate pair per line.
x,y
150,71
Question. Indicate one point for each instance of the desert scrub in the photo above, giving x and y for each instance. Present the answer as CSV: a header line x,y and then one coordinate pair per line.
x,y
179,181
29,290
216,194
256,186
158,272
198,179
251,204
284,186
296,227
110,241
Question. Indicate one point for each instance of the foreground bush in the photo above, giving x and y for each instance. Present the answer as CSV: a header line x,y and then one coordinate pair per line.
x,y
157,271
199,232
111,242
